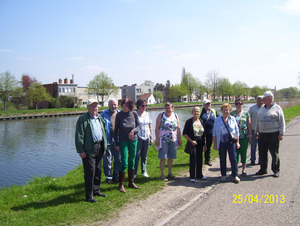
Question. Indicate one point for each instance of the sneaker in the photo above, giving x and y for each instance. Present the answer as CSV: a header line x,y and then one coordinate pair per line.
x,y
172,176
203,178
276,174
111,181
223,179
208,163
237,179
261,172
145,175
134,176
192,180
244,174
163,178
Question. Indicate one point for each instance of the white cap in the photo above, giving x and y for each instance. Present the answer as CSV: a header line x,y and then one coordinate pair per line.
x,y
260,96
268,94
91,101
206,102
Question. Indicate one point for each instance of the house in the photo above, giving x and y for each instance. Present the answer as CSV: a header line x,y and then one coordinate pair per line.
x,y
135,92
149,97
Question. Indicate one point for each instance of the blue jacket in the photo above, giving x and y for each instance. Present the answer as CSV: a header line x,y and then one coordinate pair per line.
x,y
107,118
232,127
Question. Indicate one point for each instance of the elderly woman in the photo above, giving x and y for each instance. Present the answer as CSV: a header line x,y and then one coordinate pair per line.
x,y
223,143
168,139
127,126
244,123
194,133
145,137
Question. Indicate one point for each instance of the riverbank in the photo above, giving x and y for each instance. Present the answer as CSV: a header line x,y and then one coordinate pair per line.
x,y
60,200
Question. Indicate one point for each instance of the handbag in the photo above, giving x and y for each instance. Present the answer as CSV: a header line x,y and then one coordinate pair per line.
x,y
189,147
232,136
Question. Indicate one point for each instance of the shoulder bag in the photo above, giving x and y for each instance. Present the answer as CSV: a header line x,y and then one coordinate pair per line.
x,y
232,136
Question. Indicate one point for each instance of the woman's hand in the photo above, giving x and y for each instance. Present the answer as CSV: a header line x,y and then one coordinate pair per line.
x,y
238,145
118,148
157,142
130,135
151,141
205,147
215,146
194,143
250,139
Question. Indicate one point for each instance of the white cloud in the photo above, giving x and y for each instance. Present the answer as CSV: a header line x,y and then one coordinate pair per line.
x,y
75,58
291,7
6,50
138,52
158,47
245,29
186,56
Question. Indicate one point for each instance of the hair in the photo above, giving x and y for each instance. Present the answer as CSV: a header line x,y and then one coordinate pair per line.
x,y
226,105
140,101
239,100
169,104
111,100
128,102
194,109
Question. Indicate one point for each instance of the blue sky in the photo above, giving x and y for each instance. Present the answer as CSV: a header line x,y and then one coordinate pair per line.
x,y
256,42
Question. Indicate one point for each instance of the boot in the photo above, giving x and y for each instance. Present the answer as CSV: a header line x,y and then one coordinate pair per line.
x,y
121,181
131,178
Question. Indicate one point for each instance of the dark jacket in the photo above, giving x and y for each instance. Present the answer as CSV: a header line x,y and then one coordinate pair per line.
x,y
188,130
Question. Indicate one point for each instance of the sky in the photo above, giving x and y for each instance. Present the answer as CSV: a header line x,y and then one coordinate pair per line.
x,y
256,42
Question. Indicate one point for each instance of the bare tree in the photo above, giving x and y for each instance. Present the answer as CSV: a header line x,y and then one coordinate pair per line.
x,y
213,78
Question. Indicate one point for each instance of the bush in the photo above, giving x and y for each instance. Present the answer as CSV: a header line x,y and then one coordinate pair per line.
x,y
67,102
53,103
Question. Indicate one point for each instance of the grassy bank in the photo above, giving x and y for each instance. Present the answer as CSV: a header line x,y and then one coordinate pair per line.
x,y
53,201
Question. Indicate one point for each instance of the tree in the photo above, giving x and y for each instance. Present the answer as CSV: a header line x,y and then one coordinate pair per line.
x,y
177,91
102,86
246,90
159,87
158,96
26,81
199,89
225,88
256,91
8,87
167,91
212,79
37,93
148,83
189,81
238,89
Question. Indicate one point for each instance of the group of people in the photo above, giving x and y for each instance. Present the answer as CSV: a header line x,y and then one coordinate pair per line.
x,y
121,139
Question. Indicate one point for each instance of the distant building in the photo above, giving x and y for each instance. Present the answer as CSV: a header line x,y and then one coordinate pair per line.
x,y
135,92
149,97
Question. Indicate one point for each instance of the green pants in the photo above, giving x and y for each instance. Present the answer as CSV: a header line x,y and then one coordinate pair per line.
x,y
128,153
243,150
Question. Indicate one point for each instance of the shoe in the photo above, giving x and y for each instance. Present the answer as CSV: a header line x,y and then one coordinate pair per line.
x,y
244,174
107,180
260,172
145,175
163,178
98,193
252,163
192,180
276,174
111,181
208,163
237,179
116,180
91,199
121,182
204,178
223,179
131,183
172,176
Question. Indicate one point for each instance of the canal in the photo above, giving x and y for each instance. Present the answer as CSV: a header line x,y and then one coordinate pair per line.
x,y
45,146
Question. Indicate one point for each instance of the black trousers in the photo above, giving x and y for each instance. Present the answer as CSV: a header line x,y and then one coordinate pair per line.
x,y
196,159
209,140
92,171
269,141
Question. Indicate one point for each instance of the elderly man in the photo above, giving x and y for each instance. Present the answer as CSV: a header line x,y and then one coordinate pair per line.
x,y
111,153
90,142
270,127
253,111
208,116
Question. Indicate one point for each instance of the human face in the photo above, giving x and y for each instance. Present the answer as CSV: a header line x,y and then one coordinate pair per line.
x,y
225,112
196,113
125,108
267,101
207,106
93,109
168,110
238,105
259,102
113,105
143,106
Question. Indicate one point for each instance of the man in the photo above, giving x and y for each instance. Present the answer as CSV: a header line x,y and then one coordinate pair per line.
x,y
253,110
111,153
208,116
90,142
270,127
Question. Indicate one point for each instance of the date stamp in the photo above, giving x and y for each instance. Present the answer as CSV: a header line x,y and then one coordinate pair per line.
x,y
258,198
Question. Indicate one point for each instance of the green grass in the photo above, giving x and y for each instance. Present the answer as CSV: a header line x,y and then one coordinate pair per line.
x,y
53,201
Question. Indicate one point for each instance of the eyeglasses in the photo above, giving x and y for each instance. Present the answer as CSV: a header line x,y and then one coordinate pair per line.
x,y
144,105
238,104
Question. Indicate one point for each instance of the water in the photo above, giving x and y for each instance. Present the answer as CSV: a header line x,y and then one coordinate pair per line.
x,y
40,147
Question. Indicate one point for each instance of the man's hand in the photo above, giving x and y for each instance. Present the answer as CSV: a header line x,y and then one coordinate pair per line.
x,y
82,155
118,148
280,137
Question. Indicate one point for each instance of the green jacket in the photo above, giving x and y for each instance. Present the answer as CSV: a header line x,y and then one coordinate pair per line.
x,y
84,134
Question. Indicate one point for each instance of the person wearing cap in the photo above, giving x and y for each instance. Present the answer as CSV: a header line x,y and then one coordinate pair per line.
x,y
90,143
253,111
270,127
208,116
111,157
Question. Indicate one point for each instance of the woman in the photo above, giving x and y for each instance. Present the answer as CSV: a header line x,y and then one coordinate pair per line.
x,y
168,139
222,142
194,132
127,126
145,137
244,123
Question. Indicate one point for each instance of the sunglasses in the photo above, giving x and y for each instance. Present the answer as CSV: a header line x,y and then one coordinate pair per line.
x,y
144,105
238,104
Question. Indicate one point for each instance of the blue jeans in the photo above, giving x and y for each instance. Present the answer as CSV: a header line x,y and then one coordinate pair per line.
x,y
141,151
231,148
253,147
110,155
